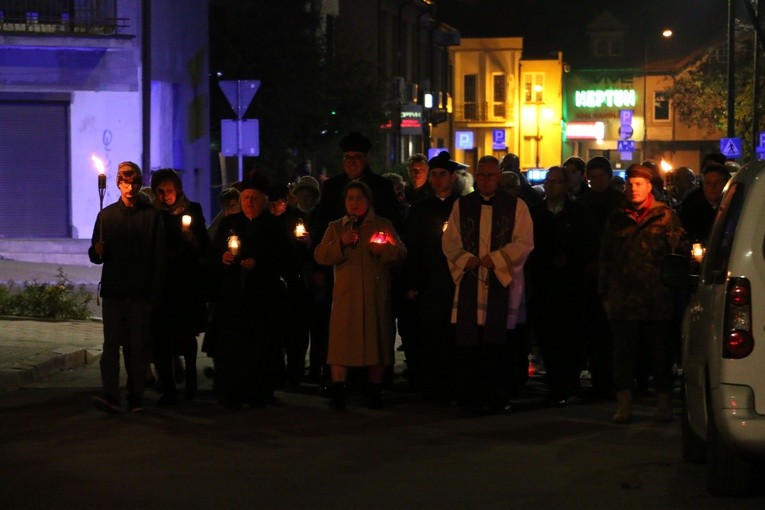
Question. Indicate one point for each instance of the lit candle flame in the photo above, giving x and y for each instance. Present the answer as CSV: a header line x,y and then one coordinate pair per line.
x,y
446,225
233,244
666,167
300,230
697,252
186,221
379,238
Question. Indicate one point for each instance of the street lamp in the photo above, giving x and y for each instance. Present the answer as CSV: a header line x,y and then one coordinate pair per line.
x,y
538,96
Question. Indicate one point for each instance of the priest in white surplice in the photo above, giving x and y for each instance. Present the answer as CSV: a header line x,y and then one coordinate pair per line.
x,y
487,240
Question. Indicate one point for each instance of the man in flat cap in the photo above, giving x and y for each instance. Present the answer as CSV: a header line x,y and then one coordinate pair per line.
x,y
429,286
637,239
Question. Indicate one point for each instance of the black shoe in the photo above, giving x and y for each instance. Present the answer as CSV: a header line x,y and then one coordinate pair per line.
x,y
339,396
375,396
501,409
106,404
468,412
135,404
167,399
178,370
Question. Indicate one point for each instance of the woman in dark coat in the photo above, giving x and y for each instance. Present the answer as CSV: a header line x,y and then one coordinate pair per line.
x,y
180,317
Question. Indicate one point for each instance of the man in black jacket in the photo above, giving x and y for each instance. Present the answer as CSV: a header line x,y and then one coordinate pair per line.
x,y
128,239
355,148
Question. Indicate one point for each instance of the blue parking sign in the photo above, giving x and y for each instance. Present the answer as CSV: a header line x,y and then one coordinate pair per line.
x,y
464,140
498,139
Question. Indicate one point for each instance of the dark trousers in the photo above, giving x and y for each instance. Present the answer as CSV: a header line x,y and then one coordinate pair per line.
x,y
482,374
560,343
127,323
166,348
632,336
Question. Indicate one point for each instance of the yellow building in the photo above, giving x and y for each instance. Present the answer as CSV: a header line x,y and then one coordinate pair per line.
x,y
502,103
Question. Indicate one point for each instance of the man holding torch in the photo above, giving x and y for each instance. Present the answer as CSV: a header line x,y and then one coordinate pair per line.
x,y
128,240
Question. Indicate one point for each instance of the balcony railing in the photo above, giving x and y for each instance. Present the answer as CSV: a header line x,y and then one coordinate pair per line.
x,y
481,112
62,17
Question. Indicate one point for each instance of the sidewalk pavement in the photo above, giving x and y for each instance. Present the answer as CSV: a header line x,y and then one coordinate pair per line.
x,y
31,350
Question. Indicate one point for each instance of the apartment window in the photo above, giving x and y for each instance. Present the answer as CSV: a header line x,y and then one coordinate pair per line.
x,y
499,95
533,87
660,106
470,92
607,47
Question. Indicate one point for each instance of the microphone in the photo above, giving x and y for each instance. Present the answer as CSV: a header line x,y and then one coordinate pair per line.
x,y
355,226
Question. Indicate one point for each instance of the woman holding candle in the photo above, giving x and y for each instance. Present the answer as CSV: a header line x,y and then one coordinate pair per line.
x,y
180,317
361,330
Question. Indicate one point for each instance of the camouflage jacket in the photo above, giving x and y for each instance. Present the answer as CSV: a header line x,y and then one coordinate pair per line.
x,y
631,255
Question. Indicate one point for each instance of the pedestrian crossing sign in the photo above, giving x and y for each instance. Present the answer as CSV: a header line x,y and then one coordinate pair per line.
x,y
731,147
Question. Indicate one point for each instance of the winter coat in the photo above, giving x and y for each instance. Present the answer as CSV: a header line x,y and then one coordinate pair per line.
x,y
361,331
631,256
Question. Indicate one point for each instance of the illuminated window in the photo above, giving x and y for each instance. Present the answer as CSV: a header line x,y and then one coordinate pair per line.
x,y
533,87
499,95
470,93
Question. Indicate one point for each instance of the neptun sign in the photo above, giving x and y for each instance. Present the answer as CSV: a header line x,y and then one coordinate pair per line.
x,y
605,98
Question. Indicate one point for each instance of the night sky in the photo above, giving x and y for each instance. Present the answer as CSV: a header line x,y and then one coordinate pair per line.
x,y
553,25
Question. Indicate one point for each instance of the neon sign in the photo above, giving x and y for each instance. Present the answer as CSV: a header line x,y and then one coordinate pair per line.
x,y
585,130
615,98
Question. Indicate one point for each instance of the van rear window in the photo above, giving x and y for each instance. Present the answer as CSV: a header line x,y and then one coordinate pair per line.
x,y
718,252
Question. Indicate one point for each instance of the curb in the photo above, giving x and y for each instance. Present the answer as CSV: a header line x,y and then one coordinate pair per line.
x,y
40,367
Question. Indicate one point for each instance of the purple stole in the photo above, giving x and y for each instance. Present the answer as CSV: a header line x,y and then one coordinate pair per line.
x,y
502,224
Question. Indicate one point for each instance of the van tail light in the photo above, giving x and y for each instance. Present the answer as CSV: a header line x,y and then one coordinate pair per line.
x,y
738,341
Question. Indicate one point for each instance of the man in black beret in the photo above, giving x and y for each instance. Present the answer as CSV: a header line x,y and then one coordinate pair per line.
x,y
355,148
429,285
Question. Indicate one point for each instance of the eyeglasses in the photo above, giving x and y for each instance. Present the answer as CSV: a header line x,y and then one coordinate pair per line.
x,y
355,157
131,184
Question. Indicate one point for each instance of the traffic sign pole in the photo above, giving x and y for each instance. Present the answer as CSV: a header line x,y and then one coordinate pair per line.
x,y
239,94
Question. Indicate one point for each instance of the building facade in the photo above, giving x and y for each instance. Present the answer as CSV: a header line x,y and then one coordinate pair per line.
x,y
503,103
118,79
616,104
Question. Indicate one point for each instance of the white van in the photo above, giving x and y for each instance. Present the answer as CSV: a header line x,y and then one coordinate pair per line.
x,y
724,342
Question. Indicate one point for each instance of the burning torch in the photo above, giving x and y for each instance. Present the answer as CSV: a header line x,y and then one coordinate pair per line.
x,y
101,191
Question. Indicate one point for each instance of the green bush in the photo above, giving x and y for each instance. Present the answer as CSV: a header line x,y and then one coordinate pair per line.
x,y
60,300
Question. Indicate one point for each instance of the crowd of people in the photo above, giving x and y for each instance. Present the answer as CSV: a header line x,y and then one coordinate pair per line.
x,y
473,276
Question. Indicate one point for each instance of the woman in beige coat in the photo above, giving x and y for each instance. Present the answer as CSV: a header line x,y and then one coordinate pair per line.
x,y
361,246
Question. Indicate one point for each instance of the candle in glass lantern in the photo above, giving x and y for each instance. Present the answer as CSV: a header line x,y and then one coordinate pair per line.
x,y
300,230
697,252
379,238
233,244
186,221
